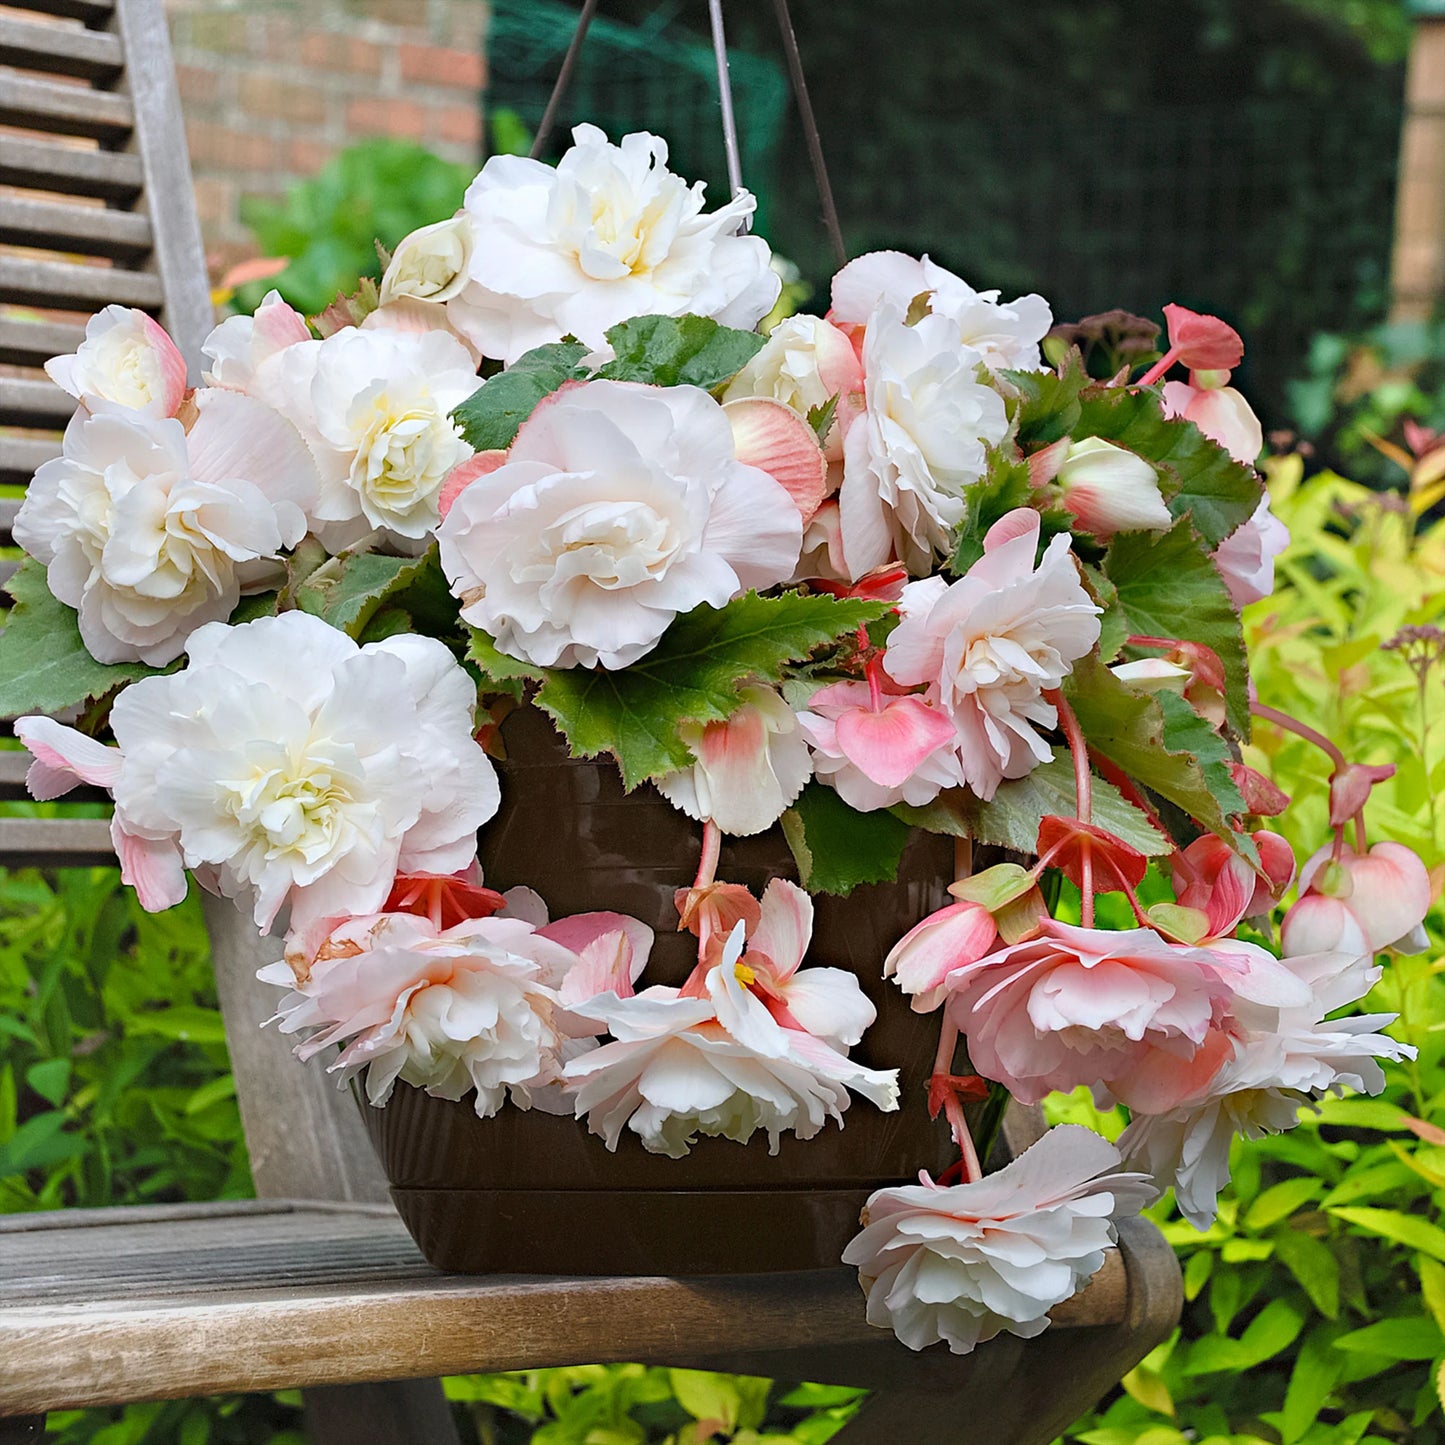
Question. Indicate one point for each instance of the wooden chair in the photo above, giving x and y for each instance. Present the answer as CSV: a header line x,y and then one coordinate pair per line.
x,y
316,1284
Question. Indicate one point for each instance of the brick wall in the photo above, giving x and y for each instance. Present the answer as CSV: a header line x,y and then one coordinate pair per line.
x,y
272,90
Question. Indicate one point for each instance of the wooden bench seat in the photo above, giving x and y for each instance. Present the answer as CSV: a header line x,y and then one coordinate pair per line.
x,y
103,1306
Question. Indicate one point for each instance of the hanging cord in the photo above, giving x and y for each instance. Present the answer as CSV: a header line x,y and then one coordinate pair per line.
x,y
725,101
810,131
564,79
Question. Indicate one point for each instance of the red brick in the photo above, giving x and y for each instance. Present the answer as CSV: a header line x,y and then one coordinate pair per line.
x,y
198,84
215,200
436,65
375,116
459,124
228,149
306,157
270,98
407,14
329,50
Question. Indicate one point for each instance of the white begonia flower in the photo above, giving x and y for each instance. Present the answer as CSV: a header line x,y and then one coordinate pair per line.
x,y
680,1065
1109,489
967,1262
379,403
149,531
609,234
918,446
987,647
1283,1059
431,263
619,506
1006,334
804,363
748,769
1245,558
288,765
447,1010
127,361
243,349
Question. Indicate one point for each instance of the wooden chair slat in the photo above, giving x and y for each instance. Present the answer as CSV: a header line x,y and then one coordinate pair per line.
x,y
63,109
90,230
67,287
19,457
265,1300
55,843
59,49
33,343
41,165
91,12
37,403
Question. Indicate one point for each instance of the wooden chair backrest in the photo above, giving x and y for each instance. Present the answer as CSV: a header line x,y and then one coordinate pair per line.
x,y
97,207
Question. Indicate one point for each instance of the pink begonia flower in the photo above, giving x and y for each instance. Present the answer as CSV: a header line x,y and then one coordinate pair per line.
x,y
987,647
776,440
1005,334
922,959
126,362
1369,903
748,769
1245,558
150,531
804,364
718,1062
880,750
919,445
1124,1010
970,1261
447,1010
311,785
607,234
1280,1060
1220,412
1202,343
619,507
1210,876
1109,489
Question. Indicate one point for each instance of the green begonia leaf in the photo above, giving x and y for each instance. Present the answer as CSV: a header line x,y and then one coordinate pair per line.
x,y
837,847
347,591
490,417
693,675
679,351
44,666
1167,586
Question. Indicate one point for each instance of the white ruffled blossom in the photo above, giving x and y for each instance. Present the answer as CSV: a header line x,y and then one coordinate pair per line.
x,y
472,1006
619,506
287,765
987,647
910,458
245,351
717,1063
609,234
126,361
149,531
431,263
967,1262
1282,1059
747,770
1005,334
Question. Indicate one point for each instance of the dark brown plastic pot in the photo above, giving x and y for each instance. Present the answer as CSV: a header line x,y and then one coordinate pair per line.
x,y
530,1192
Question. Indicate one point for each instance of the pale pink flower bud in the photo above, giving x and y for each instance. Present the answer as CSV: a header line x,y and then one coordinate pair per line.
x,y
1317,923
1350,789
919,962
1220,412
1388,890
126,361
1109,489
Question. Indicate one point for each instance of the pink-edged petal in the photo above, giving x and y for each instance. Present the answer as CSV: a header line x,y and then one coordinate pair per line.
x,y
1316,924
1391,893
152,867
776,440
464,474
578,930
1350,789
608,964
828,1003
957,935
785,927
1202,343
887,746
172,363
64,758
524,903
1020,522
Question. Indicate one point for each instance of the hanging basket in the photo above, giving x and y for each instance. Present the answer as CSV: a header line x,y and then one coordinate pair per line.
x,y
535,1192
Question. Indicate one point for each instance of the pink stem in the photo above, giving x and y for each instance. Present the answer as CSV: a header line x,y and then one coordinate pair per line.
x,y
711,848
1159,368
952,1107
1083,780
1299,729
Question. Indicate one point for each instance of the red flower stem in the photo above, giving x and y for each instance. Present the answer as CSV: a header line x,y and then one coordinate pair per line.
x,y
1086,874
1159,368
711,848
1083,783
952,1107
1299,729
962,859
1361,847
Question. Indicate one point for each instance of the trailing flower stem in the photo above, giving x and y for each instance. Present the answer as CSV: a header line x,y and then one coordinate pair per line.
x,y
941,1084
1299,729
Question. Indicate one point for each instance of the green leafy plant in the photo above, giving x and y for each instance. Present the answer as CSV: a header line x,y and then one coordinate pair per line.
x,y
330,226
